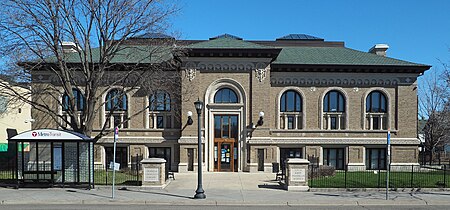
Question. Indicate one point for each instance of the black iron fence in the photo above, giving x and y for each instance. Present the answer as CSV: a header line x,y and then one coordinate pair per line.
x,y
400,176
126,175
7,172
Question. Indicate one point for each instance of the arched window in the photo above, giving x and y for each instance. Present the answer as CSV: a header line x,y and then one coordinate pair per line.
x,y
376,102
66,106
160,101
334,111
225,95
79,100
291,110
159,107
116,109
334,102
376,111
116,100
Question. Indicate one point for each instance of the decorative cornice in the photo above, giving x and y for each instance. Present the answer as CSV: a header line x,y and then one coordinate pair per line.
x,y
231,65
320,81
139,140
225,66
275,131
363,141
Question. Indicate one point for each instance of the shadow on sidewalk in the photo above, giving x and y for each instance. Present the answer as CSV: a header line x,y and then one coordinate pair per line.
x,y
86,193
157,193
271,186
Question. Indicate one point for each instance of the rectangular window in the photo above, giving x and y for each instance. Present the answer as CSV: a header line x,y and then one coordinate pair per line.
x,y
291,123
333,123
334,157
376,159
376,123
225,127
117,120
286,153
217,126
159,122
234,127
161,152
121,156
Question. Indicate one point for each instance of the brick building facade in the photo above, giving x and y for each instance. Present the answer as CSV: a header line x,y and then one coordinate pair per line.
x,y
318,99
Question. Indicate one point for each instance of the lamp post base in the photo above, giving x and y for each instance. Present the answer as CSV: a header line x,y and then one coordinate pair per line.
x,y
199,194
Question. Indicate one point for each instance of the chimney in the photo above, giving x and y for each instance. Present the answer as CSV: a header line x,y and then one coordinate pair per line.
x,y
379,49
69,47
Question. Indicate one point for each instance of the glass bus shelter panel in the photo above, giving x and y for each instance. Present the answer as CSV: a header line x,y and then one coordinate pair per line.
x,y
70,162
91,161
57,161
29,162
84,161
44,161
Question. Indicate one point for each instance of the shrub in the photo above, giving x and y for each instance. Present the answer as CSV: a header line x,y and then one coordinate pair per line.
x,y
321,171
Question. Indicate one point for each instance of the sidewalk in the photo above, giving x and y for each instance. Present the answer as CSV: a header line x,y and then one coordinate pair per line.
x,y
220,189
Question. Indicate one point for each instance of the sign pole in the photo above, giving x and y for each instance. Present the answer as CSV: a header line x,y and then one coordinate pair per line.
x,y
388,162
116,136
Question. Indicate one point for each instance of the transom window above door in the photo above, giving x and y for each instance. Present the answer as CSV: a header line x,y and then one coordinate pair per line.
x,y
225,95
226,126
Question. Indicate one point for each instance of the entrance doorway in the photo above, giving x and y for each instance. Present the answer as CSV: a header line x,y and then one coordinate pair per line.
x,y
225,143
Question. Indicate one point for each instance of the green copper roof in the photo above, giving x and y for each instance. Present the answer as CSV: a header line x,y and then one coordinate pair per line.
x,y
226,43
295,55
335,56
127,54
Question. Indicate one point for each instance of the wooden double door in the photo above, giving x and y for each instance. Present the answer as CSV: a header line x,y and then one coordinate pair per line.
x,y
226,154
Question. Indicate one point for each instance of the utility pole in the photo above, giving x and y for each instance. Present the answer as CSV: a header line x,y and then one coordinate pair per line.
x,y
116,136
388,144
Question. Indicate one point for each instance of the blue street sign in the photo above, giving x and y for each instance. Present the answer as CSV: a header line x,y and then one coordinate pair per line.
x,y
389,137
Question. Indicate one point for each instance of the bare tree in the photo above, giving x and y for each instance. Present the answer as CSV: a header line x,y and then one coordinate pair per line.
x,y
102,52
435,108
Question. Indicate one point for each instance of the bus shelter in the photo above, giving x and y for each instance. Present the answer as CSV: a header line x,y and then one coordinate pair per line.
x,y
53,158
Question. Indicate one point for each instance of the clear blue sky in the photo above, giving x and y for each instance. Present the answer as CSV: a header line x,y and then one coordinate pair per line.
x,y
417,31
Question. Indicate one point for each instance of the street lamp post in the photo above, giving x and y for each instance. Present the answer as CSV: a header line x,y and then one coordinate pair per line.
x,y
199,193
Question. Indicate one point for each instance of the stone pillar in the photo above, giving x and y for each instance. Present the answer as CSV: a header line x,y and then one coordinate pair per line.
x,y
297,174
154,172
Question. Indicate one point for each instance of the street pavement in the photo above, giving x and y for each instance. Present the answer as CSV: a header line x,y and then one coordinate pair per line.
x,y
224,189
